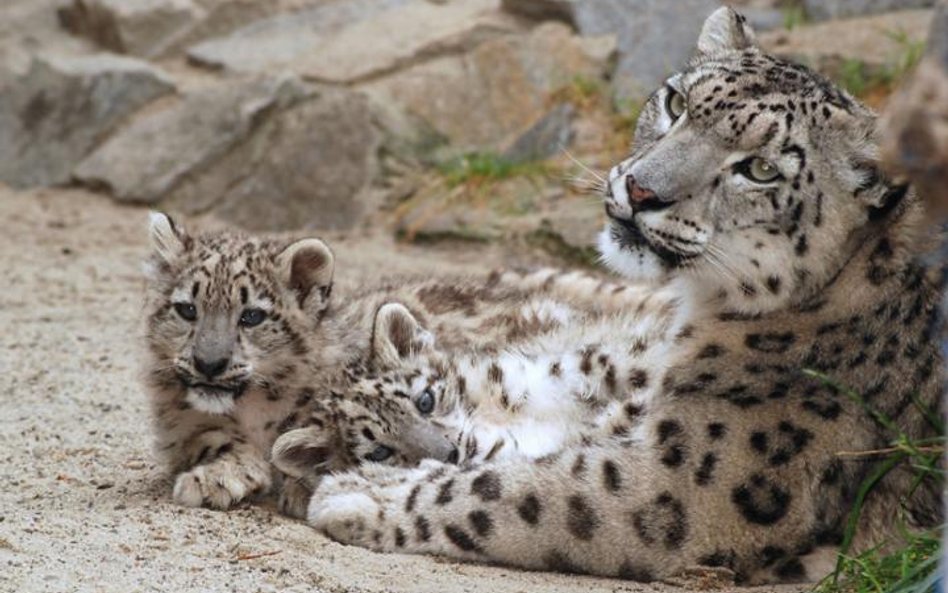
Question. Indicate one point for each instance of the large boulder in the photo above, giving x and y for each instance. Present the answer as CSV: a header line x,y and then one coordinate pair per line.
x,y
156,28
822,10
149,158
268,153
312,166
285,39
655,37
488,96
62,107
145,28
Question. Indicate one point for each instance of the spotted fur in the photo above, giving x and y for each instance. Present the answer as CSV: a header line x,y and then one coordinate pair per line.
x,y
816,268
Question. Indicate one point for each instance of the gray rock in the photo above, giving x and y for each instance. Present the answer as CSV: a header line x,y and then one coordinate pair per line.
x,y
54,114
486,97
146,28
826,46
311,166
655,37
821,10
284,39
148,159
547,137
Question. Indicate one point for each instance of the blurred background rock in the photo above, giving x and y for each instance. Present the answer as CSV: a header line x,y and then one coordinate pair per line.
x,y
434,120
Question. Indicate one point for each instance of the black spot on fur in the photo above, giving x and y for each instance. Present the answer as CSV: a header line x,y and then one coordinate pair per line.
x,y
711,351
776,343
581,519
445,493
412,498
422,529
611,476
662,520
760,501
705,473
486,486
716,430
399,538
529,509
461,538
481,523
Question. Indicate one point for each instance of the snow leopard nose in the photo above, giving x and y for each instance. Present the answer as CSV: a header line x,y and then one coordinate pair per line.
x,y
637,193
210,369
642,198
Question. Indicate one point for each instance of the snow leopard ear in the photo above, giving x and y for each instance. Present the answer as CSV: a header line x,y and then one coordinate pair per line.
x,y
725,30
303,452
169,241
396,335
307,267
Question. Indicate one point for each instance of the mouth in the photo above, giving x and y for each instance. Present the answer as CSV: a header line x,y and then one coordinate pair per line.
x,y
216,390
628,235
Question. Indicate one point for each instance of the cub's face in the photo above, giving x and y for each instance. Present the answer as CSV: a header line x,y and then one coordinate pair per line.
x,y
373,422
228,312
749,175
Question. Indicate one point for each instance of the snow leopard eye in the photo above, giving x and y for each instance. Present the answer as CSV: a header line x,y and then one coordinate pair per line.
x,y
380,453
252,317
425,402
675,103
758,170
187,311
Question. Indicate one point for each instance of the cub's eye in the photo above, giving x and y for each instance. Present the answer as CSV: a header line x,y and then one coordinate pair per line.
x,y
425,402
187,311
252,317
380,453
758,169
675,103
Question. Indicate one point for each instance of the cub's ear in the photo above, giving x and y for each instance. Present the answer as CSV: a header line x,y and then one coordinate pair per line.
x,y
725,30
307,267
396,334
303,452
168,241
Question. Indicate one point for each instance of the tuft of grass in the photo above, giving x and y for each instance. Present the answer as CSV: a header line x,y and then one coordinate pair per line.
x,y
911,566
794,16
861,80
480,168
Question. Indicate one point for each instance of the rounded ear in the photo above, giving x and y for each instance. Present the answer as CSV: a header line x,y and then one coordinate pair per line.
x,y
725,30
168,240
396,335
302,452
307,267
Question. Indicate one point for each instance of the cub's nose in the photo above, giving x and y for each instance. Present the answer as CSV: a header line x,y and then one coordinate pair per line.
x,y
210,369
453,456
637,193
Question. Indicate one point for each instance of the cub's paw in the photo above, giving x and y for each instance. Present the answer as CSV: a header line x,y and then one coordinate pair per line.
x,y
347,518
221,484
294,498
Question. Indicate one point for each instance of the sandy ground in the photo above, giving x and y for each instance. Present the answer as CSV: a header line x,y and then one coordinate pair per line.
x,y
83,506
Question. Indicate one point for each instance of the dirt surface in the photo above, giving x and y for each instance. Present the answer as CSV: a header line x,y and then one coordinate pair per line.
x,y
83,506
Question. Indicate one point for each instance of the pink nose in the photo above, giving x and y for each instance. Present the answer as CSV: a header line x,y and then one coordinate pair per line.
x,y
637,193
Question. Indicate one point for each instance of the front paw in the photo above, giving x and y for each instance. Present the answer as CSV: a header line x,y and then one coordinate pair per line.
x,y
347,518
221,484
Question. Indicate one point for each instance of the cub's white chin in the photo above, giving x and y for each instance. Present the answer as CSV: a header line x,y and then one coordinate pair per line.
x,y
210,401
634,263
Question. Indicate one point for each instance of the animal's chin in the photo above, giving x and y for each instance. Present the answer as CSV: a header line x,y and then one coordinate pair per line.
x,y
213,398
628,235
